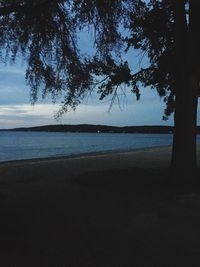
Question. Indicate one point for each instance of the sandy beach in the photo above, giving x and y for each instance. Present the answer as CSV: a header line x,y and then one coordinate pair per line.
x,y
111,209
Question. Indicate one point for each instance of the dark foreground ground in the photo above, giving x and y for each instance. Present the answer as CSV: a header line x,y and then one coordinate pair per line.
x,y
130,217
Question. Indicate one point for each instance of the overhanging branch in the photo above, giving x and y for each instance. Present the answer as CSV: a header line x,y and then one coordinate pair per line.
x,y
6,10
139,72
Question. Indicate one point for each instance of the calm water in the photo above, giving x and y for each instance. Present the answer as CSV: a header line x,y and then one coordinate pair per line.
x,y
27,145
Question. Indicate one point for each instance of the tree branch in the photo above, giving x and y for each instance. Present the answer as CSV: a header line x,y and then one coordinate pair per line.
x,y
6,10
137,73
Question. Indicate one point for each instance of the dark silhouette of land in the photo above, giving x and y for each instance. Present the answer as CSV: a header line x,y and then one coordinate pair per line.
x,y
90,128
97,128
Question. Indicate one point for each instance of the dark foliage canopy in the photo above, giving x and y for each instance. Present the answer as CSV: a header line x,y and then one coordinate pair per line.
x,y
46,34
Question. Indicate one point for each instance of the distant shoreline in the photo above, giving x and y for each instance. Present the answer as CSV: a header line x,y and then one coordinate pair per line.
x,y
90,128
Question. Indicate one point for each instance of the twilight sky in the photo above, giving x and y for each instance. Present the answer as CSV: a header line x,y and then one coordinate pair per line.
x,y
16,111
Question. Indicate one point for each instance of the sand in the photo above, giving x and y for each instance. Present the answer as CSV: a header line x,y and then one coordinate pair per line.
x,y
111,209
71,166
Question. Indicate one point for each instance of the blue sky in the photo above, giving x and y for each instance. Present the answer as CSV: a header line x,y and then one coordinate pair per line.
x,y
16,111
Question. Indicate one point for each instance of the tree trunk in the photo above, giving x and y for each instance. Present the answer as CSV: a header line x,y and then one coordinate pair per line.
x,y
184,141
186,82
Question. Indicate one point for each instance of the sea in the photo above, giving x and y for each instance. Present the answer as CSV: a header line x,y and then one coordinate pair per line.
x,y
33,145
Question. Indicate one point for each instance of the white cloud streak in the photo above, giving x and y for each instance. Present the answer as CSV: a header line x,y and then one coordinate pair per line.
x,y
42,114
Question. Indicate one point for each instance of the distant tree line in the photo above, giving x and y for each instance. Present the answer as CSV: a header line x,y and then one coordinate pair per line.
x,y
90,128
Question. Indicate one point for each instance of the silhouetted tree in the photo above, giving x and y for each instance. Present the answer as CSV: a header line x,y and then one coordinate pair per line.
x,y
44,32
165,31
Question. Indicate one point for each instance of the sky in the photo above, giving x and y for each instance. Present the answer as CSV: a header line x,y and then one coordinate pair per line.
x,y
16,110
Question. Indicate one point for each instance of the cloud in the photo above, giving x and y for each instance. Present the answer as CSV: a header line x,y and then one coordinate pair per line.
x,y
15,110
26,115
43,114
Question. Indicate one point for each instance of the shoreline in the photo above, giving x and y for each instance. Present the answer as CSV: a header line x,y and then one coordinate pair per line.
x,y
67,168
81,155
